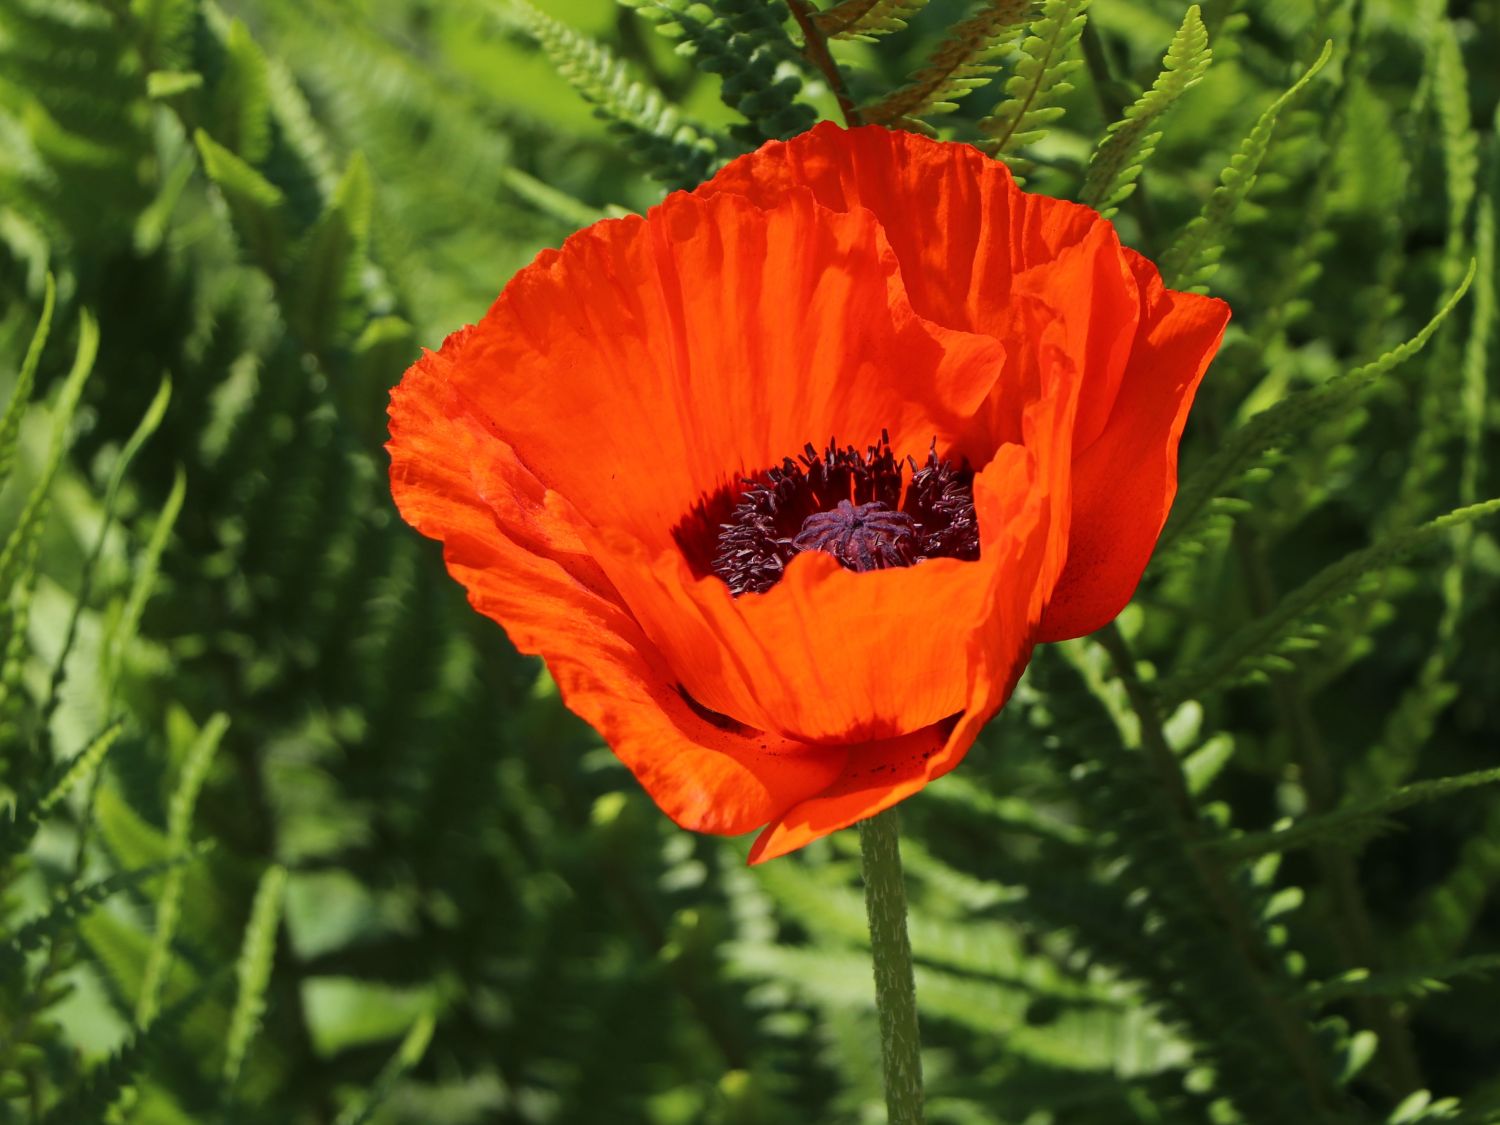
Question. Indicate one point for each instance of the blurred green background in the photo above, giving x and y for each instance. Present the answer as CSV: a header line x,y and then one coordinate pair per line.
x,y
294,836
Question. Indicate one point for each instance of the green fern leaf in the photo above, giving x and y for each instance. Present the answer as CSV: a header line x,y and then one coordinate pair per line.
x,y
960,64
1401,984
1194,257
1244,449
675,150
165,28
1268,637
253,971
1120,157
407,1055
241,116
147,426
1041,77
746,44
255,204
1353,824
325,274
866,19
122,629
1459,141
1449,912
79,901
179,829
20,394
23,536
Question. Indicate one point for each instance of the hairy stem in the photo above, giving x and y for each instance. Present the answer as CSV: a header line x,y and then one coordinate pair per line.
x,y
895,988
815,48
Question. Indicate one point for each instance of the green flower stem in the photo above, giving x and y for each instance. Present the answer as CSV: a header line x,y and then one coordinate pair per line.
x,y
895,988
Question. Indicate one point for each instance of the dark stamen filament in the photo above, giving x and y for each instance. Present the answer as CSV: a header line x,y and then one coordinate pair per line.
x,y
851,505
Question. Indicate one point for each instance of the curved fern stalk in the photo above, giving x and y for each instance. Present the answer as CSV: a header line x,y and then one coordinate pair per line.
x,y
123,628
1458,140
866,19
20,824
408,1054
1041,77
1194,257
746,44
676,151
143,431
253,970
1350,826
29,525
78,902
20,394
1261,646
179,830
1122,154
1450,911
961,63
1243,451
1411,722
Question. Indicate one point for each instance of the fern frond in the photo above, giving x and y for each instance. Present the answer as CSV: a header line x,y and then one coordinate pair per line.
x,y
255,204
78,902
676,151
1449,911
19,824
960,64
1242,450
240,119
147,426
1457,137
253,971
20,393
123,629
165,28
1041,77
408,1054
1401,984
746,44
866,19
179,829
1122,154
1353,824
326,269
106,1083
29,525
1264,644
1193,257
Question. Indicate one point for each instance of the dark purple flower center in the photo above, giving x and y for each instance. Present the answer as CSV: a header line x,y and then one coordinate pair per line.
x,y
854,506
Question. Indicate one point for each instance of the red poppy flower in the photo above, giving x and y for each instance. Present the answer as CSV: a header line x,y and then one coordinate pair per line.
x,y
785,479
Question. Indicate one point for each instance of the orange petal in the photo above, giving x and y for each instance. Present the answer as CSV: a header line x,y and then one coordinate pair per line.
x,y
513,544
878,775
968,239
654,360
1124,482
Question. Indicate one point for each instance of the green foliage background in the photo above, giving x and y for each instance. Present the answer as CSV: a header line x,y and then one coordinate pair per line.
x,y
291,835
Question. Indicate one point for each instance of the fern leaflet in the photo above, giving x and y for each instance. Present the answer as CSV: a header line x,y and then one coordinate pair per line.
x,y
1353,824
675,150
1243,448
1260,646
1041,77
865,19
1120,157
253,970
20,395
960,64
1194,257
